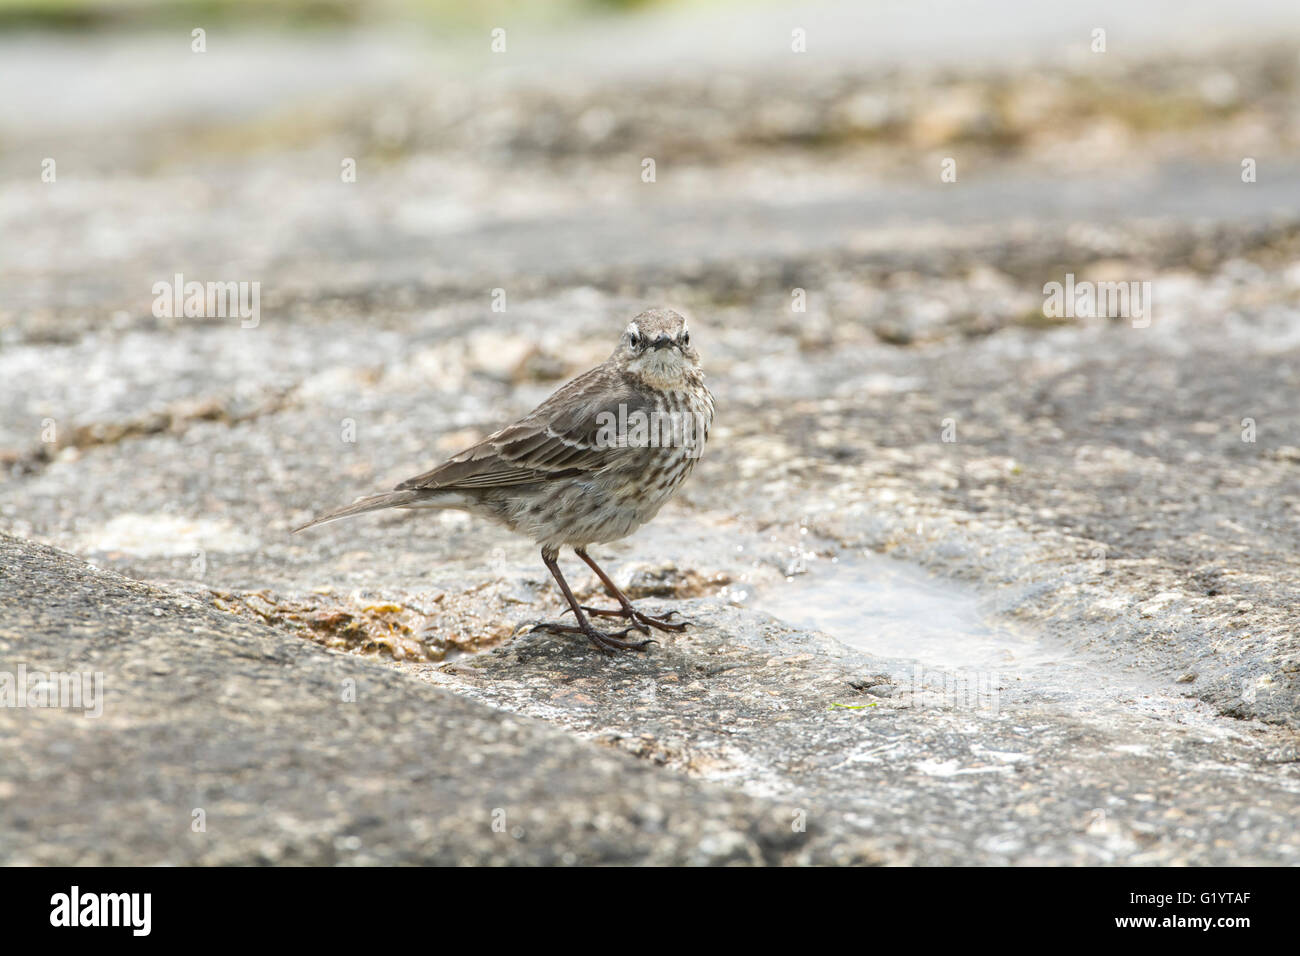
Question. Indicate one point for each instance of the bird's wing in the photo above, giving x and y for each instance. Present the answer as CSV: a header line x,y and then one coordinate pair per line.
x,y
561,438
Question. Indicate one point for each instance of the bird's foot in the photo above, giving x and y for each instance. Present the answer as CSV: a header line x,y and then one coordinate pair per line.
x,y
609,643
642,622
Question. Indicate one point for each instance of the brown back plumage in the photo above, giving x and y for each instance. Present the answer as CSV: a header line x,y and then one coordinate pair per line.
x,y
515,473
556,440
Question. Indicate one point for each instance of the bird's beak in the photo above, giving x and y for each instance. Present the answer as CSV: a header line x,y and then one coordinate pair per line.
x,y
662,342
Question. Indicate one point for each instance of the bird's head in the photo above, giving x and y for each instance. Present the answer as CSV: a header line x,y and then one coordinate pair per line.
x,y
656,346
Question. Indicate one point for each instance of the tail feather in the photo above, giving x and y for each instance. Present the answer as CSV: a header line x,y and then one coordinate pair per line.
x,y
389,499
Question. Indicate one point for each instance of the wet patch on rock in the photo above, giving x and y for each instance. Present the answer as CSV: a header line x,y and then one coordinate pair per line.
x,y
417,629
669,580
743,700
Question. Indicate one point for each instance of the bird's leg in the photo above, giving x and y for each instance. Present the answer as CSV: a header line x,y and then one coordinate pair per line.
x,y
605,642
642,622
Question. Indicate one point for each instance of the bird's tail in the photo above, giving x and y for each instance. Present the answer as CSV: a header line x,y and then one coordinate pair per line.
x,y
389,499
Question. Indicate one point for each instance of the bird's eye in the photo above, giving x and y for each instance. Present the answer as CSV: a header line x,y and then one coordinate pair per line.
x,y
633,339
686,338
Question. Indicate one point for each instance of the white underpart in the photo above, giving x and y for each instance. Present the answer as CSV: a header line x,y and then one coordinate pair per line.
x,y
662,368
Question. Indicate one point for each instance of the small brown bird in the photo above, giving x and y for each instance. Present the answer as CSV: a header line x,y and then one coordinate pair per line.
x,y
590,465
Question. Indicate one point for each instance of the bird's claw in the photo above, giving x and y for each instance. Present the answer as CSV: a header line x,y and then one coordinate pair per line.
x,y
639,620
607,642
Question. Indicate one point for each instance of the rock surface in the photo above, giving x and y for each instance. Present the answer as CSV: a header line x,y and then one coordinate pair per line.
x,y
223,743
938,772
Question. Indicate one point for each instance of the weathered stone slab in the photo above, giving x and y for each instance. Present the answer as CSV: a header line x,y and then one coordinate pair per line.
x,y
205,712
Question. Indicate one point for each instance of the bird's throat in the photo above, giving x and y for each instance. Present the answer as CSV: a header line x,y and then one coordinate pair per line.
x,y
661,371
